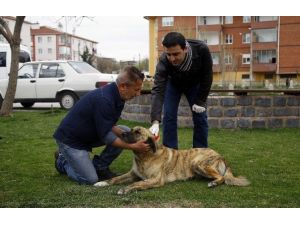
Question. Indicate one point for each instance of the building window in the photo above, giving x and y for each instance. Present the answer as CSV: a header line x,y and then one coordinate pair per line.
x,y
265,35
246,38
215,58
40,39
168,21
40,51
49,39
268,76
245,76
228,19
246,59
264,56
265,18
49,50
228,58
228,38
246,19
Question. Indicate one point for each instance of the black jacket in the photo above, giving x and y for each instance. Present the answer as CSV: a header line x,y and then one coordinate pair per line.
x,y
199,73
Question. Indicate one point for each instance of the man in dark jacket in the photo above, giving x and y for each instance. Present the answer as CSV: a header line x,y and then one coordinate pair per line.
x,y
92,123
185,67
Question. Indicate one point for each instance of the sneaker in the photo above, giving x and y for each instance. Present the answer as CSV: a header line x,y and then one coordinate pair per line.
x,y
105,174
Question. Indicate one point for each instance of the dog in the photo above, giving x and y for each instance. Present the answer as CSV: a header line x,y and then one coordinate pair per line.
x,y
162,165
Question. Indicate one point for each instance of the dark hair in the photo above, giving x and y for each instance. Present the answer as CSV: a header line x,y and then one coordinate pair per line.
x,y
130,75
174,38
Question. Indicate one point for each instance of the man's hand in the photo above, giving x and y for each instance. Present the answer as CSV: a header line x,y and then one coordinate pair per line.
x,y
154,129
140,146
198,108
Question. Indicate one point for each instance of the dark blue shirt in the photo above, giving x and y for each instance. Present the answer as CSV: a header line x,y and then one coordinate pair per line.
x,y
91,118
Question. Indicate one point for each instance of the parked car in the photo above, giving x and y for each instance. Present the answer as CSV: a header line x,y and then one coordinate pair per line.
x,y
55,81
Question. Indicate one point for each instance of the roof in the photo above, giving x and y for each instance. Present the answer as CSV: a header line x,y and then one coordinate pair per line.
x,y
44,30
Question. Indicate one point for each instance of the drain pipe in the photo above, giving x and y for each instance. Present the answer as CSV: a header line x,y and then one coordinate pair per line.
x,y
278,52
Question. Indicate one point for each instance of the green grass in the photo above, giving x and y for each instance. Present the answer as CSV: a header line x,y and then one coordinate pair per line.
x,y
270,159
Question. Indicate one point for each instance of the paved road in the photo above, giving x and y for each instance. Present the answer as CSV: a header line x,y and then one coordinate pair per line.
x,y
37,106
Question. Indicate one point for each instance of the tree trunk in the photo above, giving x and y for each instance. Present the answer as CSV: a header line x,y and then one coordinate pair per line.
x,y
14,41
7,105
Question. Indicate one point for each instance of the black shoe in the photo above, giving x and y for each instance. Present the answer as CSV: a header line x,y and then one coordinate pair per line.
x,y
105,174
56,154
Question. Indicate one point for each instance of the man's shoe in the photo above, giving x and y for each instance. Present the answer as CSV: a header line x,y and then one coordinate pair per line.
x,y
105,174
56,155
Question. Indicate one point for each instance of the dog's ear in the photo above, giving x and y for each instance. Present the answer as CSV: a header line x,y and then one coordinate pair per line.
x,y
152,144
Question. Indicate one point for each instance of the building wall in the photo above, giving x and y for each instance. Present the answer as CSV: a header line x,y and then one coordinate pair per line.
x,y
44,46
25,32
289,48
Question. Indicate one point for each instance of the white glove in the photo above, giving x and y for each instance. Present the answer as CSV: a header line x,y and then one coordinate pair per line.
x,y
154,129
198,109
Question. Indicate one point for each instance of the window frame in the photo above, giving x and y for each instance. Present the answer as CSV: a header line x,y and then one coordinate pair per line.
x,y
228,39
167,21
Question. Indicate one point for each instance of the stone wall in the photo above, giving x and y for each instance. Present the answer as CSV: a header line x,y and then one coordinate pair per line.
x,y
229,111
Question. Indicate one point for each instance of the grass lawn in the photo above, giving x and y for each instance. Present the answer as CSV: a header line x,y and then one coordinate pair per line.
x,y
270,159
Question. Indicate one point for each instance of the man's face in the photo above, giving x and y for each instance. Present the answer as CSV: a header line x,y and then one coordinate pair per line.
x,y
175,54
130,91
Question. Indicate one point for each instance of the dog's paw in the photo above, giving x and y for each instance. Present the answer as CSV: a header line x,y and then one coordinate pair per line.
x,y
212,184
123,191
101,184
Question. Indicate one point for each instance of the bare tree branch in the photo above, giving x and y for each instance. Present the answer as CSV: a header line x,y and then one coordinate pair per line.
x,y
5,31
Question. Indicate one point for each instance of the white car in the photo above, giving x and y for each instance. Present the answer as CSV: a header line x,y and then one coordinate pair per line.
x,y
55,81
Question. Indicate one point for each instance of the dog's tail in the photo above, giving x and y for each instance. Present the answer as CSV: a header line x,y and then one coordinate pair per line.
x,y
232,180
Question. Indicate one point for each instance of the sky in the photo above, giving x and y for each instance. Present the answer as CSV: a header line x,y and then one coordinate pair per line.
x,y
119,37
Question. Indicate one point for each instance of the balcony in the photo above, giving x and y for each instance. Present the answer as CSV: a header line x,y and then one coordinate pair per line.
x,y
261,22
264,67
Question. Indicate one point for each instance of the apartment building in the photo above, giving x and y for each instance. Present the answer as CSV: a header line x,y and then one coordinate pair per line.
x,y
246,50
25,32
53,44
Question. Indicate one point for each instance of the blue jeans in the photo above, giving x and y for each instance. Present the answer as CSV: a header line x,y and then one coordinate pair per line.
x,y
76,163
171,103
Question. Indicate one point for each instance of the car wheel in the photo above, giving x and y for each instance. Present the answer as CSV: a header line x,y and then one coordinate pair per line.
x,y
27,104
67,100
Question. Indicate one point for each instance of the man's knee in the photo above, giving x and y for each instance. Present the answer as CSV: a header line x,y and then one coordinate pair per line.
x,y
124,128
89,180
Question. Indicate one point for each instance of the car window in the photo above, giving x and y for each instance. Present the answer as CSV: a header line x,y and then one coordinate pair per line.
x,y
83,67
27,71
2,59
24,57
52,70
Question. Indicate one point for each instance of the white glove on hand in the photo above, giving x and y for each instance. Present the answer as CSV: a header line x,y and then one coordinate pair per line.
x,y
198,109
154,129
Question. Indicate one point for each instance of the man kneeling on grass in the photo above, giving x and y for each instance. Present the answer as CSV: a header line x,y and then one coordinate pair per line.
x,y
92,123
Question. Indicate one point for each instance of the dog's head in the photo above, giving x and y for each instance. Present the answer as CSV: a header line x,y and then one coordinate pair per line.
x,y
140,134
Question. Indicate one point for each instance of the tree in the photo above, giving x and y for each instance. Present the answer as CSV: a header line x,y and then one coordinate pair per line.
x,y
14,40
88,57
107,65
144,64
